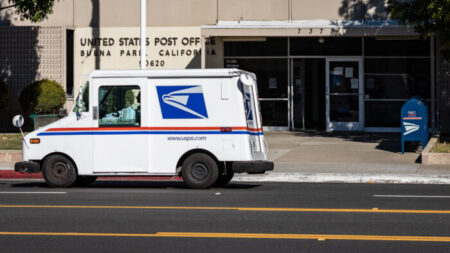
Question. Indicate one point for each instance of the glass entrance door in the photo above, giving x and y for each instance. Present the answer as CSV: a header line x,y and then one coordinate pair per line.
x,y
344,94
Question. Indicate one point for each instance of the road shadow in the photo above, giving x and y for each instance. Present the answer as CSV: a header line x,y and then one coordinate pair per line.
x,y
118,184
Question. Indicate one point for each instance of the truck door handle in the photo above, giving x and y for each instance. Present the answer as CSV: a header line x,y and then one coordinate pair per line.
x,y
95,112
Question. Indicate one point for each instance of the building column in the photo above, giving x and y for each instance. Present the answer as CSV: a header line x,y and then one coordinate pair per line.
x,y
433,81
203,52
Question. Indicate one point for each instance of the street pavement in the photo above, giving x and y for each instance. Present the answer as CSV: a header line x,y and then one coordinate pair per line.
x,y
127,216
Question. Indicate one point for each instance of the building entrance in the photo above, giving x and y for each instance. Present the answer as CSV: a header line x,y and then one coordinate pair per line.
x,y
308,89
344,94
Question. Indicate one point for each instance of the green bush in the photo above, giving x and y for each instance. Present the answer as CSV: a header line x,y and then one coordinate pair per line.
x,y
42,97
3,94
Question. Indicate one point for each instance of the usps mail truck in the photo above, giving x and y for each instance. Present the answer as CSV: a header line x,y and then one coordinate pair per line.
x,y
202,125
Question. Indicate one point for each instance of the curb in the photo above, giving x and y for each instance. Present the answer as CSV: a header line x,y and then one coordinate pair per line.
x,y
429,157
11,174
295,177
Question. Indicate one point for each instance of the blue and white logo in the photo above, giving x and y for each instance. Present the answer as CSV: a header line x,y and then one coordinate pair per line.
x,y
182,102
410,127
248,107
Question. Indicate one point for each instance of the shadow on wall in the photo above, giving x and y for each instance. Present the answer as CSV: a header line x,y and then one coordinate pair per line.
x,y
363,11
95,24
19,63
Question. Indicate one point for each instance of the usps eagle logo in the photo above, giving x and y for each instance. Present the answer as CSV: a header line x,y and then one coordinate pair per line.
x,y
410,127
182,102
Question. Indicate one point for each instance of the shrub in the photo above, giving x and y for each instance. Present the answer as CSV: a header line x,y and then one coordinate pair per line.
x,y
3,94
42,97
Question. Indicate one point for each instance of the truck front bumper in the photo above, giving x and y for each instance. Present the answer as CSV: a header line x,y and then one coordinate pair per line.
x,y
27,167
252,167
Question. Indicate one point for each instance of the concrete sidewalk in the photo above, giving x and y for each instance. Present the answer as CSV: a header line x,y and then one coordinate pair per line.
x,y
346,157
333,157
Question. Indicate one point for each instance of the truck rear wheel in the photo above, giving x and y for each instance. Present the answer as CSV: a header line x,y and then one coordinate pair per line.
x,y
199,171
58,171
224,179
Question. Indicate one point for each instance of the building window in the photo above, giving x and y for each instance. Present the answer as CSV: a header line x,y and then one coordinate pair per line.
x,y
385,46
272,79
395,71
69,62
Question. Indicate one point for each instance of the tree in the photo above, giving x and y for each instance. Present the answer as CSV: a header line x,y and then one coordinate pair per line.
x,y
42,97
33,10
427,17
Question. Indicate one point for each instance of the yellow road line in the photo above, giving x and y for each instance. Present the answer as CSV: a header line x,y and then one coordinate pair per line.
x,y
320,237
262,209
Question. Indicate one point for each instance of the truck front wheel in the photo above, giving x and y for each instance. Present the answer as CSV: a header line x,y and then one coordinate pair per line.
x,y
59,171
199,171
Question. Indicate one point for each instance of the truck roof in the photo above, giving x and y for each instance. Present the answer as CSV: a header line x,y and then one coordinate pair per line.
x,y
169,73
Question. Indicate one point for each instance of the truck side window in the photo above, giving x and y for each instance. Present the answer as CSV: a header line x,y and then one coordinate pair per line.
x,y
119,106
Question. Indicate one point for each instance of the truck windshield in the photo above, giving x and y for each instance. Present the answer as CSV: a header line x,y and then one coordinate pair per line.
x,y
82,101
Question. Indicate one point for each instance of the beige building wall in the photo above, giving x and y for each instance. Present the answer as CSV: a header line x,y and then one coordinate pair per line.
x,y
126,13
257,10
120,13
317,9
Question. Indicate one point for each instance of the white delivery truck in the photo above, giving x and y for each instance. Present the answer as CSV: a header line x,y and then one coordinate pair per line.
x,y
204,125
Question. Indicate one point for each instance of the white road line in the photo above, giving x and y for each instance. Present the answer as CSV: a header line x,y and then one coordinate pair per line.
x,y
33,192
410,196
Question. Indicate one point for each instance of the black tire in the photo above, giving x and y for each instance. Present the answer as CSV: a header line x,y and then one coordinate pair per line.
x,y
200,171
224,179
85,180
59,171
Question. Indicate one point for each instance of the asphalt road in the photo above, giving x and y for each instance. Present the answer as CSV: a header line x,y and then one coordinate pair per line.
x,y
124,216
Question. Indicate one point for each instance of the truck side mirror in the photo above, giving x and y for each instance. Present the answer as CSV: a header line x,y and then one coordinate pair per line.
x,y
246,79
18,121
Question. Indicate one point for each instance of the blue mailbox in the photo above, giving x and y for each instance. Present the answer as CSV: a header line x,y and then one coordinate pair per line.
x,y
414,118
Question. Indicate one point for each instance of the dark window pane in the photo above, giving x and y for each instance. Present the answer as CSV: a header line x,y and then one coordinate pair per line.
x,y
386,113
271,75
269,47
342,74
330,46
274,113
344,108
380,47
397,78
398,65
69,62
383,113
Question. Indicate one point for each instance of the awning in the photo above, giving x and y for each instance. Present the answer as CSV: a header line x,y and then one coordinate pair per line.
x,y
306,28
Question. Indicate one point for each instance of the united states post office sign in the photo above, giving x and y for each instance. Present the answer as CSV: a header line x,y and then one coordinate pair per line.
x,y
119,48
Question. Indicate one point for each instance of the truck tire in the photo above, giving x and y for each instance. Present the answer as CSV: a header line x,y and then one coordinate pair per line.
x,y
85,180
58,171
224,179
200,171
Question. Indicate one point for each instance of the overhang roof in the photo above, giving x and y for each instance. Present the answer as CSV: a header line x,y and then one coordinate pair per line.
x,y
307,28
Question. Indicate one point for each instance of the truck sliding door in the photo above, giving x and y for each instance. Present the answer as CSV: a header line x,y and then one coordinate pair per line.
x,y
120,145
